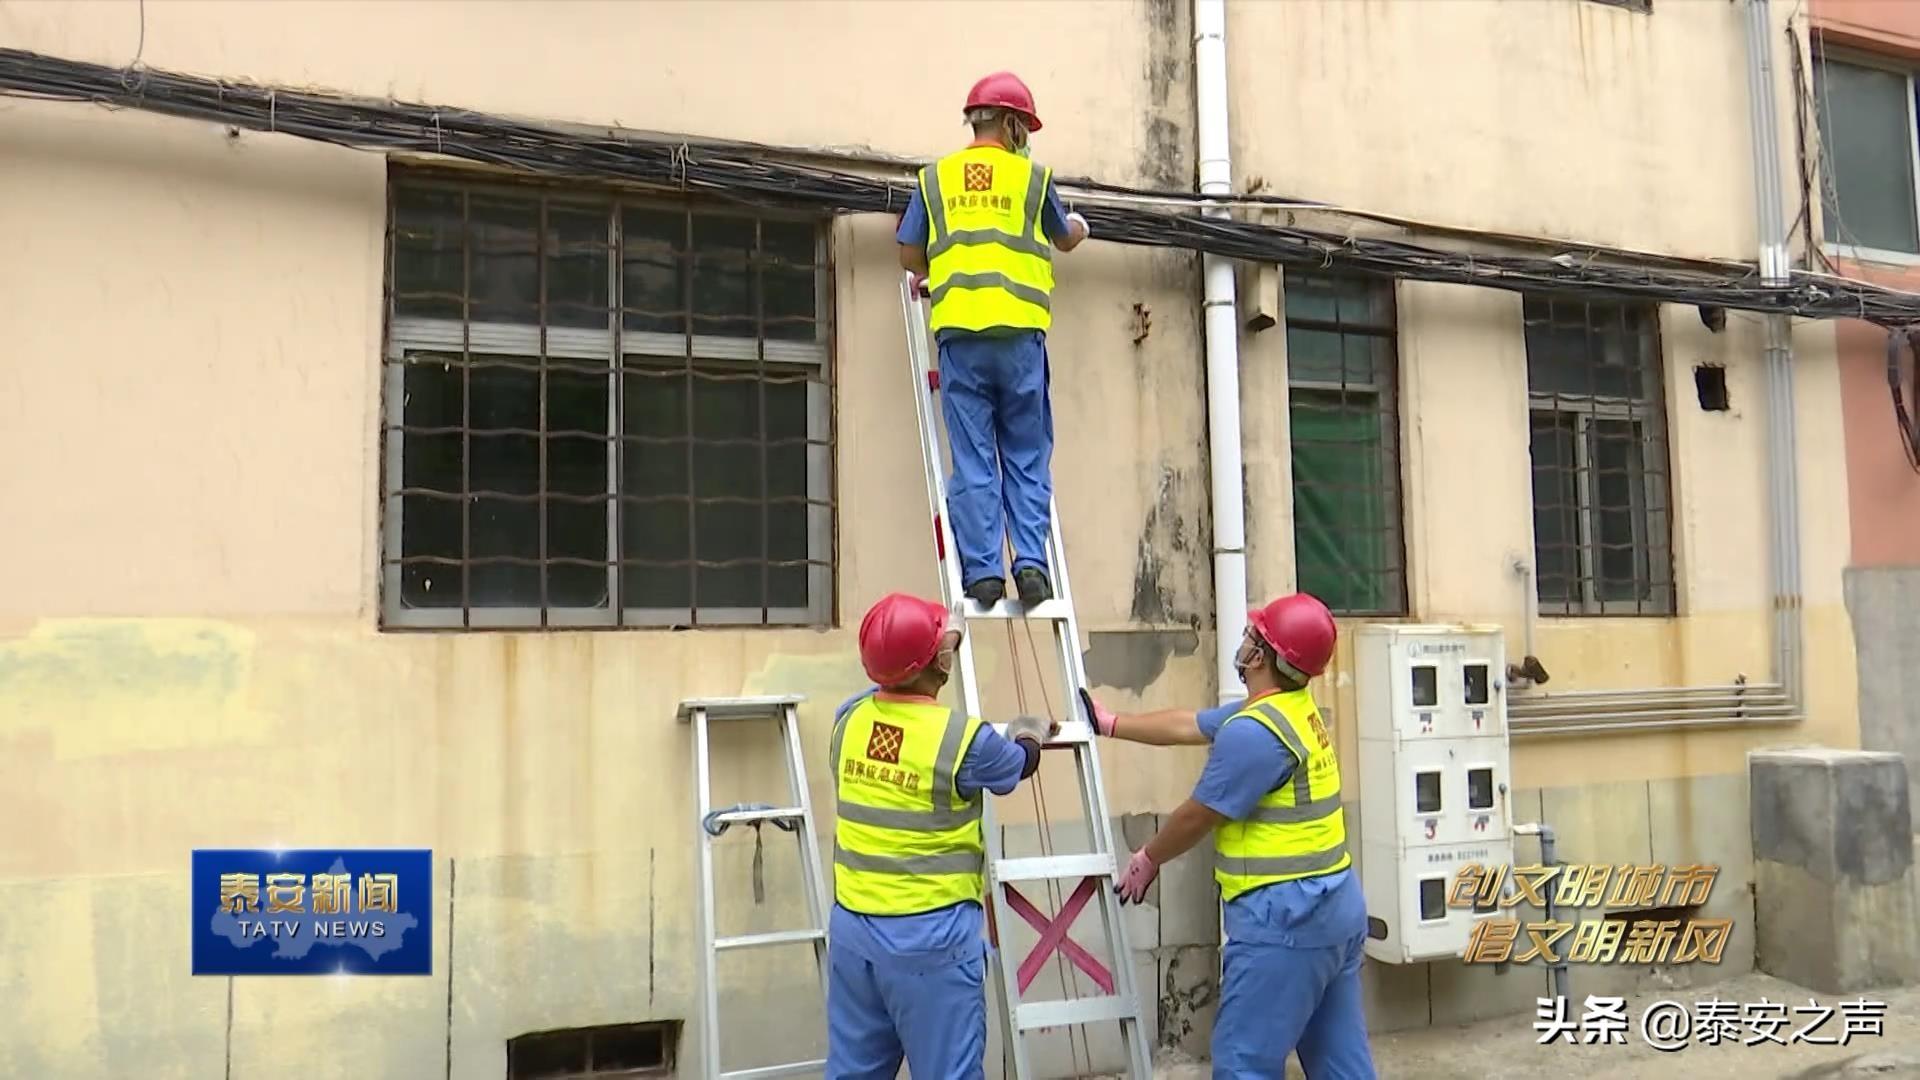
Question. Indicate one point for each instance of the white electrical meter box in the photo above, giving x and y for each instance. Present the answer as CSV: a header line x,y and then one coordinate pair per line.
x,y
1434,781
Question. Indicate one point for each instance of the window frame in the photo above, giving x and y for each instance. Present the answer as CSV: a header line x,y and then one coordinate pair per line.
x,y
1821,53
1656,485
614,347
1385,392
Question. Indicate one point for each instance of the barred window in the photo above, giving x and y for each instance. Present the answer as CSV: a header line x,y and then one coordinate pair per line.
x,y
1345,423
1601,521
603,411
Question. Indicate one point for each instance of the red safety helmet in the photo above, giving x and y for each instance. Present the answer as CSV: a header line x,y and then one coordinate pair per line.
x,y
1004,90
1300,630
900,636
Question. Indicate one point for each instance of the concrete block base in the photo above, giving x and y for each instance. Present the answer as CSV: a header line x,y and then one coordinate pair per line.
x,y
1834,889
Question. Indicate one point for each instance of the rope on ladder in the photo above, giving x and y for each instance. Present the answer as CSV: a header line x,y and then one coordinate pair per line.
x,y
1077,1047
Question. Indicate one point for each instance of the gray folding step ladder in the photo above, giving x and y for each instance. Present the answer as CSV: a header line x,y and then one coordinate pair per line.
x,y
1091,876
795,816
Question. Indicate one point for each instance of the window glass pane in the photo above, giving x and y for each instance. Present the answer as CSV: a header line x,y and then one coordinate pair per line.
x,y
579,262
578,487
653,245
427,252
1344,430
1313,356
1587,350
723,296
1620,509
1341,535
1310,298
1556,529
1868,141
749,484
430,527
505,258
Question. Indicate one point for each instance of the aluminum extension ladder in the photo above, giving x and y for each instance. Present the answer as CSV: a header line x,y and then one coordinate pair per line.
x,y
796,817
1095,872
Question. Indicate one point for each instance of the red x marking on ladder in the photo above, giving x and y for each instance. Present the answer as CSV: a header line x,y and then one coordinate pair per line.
x,y
1053,935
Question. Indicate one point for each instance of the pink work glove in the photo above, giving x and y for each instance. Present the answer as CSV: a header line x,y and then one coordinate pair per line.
x,y
1134,880
1101,717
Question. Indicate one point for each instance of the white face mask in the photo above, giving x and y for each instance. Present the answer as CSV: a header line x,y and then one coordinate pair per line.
x,y
1018,136
1244,657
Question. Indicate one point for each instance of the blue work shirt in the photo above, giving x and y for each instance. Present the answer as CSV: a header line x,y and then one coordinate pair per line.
x,y
992,763
916,230
1247,762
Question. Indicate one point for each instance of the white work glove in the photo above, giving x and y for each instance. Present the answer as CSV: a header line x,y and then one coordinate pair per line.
x,y
1031,727
1075,219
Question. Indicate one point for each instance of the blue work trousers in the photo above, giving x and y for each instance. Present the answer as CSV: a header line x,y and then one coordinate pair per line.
x,y
1276,999
993,389
928,1007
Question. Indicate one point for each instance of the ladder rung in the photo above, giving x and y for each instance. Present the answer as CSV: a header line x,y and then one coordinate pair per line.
x,y
1046,1014
747,817
778,937
1048,611
796,1068
1048,867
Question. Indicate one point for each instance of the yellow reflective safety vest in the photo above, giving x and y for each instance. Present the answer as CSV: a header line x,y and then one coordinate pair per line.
x,y
1298,829
905,840
988,261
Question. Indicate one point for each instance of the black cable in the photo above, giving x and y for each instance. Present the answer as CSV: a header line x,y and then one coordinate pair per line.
x,y
761,176
1909,437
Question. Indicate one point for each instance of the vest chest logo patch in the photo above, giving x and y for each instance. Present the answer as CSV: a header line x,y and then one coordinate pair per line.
x,y
979,176
884,743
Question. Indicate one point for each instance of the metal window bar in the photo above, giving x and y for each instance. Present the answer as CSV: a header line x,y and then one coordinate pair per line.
x,y
1384,577
689,270
545,481
549,357
616,413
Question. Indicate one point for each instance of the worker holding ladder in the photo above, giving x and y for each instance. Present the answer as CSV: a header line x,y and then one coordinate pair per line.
x,y
906,953
1296,919
977,229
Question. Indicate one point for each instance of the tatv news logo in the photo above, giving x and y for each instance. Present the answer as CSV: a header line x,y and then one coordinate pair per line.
x,y
312,911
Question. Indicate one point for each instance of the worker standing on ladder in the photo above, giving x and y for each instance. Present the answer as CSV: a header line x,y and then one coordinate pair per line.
x,y
977,229
1296,919
906,950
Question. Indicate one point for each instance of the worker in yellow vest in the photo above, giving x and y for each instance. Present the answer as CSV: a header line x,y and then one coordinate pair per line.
x,y
1296,920
906,950
978,228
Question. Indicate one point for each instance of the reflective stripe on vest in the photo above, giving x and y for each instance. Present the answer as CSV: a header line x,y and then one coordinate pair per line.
x,y
988,263
905,841
1298,829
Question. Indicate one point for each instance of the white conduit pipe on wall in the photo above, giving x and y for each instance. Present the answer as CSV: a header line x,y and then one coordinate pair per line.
x,y
1778,701
1223,350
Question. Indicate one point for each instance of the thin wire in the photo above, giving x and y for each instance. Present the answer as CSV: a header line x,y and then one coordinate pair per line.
x,y
1044,828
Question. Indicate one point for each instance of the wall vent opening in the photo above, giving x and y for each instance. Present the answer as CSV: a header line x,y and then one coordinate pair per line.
x,y
608,1052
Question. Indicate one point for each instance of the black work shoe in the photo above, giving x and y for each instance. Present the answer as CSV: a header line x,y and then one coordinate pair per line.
x,y
1034,587
987,591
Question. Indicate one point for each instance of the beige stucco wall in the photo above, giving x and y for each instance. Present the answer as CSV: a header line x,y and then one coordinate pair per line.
x,y
189,368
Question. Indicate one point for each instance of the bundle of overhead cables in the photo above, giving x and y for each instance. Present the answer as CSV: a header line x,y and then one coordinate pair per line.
x,y
789,177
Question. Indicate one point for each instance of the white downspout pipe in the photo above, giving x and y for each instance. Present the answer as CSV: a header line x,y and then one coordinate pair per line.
x,y
1223,350
1782,449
